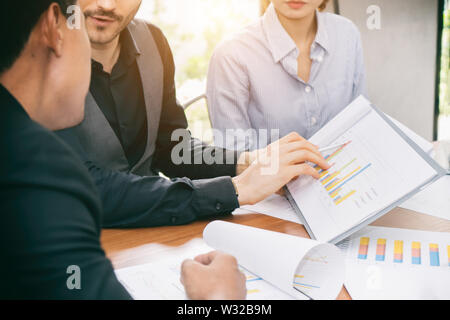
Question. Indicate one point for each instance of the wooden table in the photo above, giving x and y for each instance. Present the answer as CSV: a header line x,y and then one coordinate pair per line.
x,y
132,247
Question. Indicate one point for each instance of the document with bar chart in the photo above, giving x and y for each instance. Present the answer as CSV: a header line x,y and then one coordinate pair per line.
x,y
375,168
390,263
160,280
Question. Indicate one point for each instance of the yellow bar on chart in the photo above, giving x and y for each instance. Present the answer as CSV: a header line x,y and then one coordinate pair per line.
x,y
324,182
323,174
363,248
253,291
398,251
346,197
334,184
416,254
448,255
347,176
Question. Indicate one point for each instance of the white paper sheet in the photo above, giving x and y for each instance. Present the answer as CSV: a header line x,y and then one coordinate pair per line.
x,y
273,263
275,206
383,270
424,144
434,200
373,171
285,261
160,280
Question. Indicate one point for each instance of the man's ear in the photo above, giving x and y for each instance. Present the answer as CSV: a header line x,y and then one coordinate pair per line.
x,y
53,22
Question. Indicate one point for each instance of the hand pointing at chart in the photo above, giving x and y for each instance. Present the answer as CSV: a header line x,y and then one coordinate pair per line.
x,y
276,165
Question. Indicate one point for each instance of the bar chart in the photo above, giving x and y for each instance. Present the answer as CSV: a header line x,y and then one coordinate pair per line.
x,y
299,283
259,289
407,248
416,254
363,248
392,263
398,251
381,249
342,172
448,255
434,255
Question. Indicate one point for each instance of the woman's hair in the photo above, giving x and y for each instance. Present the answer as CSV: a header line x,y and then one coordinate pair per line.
x,y
323,5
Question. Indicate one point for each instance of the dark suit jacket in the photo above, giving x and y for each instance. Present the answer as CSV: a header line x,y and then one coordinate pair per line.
x,y
130,200
50,215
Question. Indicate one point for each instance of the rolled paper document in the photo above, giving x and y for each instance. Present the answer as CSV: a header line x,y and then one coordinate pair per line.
x,y
300,267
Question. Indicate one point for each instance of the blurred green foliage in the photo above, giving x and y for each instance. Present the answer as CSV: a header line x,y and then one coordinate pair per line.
x,y
194,29
445,67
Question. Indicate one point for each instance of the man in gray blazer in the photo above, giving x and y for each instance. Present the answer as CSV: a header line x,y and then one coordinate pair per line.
x,y
131,114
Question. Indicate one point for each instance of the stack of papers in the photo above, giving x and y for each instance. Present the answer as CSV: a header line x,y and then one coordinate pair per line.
x,y
434,200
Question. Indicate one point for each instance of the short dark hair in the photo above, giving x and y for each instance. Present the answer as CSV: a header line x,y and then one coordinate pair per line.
x,y
17,20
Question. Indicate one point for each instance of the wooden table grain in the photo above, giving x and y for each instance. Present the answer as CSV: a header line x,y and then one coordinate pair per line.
x,y
131,247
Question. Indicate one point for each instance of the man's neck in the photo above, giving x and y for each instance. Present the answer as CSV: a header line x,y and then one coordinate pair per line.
x,y
26,82
106,53
302,31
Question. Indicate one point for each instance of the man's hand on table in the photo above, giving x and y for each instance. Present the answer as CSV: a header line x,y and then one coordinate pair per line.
x,y
213,276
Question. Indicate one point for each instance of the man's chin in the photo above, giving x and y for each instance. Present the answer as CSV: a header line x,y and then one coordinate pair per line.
x,y
102,36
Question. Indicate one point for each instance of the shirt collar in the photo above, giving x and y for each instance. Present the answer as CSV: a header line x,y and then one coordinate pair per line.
x,y
280,43
322,34
129,52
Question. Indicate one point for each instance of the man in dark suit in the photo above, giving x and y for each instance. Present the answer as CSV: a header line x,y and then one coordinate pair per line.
x,y
50,213
131,115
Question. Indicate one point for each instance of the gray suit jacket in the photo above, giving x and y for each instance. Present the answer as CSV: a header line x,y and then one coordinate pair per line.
x,y
136,196
95,133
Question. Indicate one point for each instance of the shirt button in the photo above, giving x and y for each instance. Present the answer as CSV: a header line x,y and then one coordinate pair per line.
x,y
320,58
308,89
313,121
313,46
218,206
173,220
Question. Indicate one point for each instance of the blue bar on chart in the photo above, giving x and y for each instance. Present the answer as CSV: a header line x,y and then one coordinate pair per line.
x,y
434,255
416,253
381,250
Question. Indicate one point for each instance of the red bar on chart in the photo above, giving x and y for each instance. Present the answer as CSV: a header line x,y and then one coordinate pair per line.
x,y
381,250
416,255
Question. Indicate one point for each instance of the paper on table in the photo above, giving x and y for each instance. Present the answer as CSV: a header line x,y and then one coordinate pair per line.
x,y
434,200
424,144
367,176
315,269
160,280
275,206
390,263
